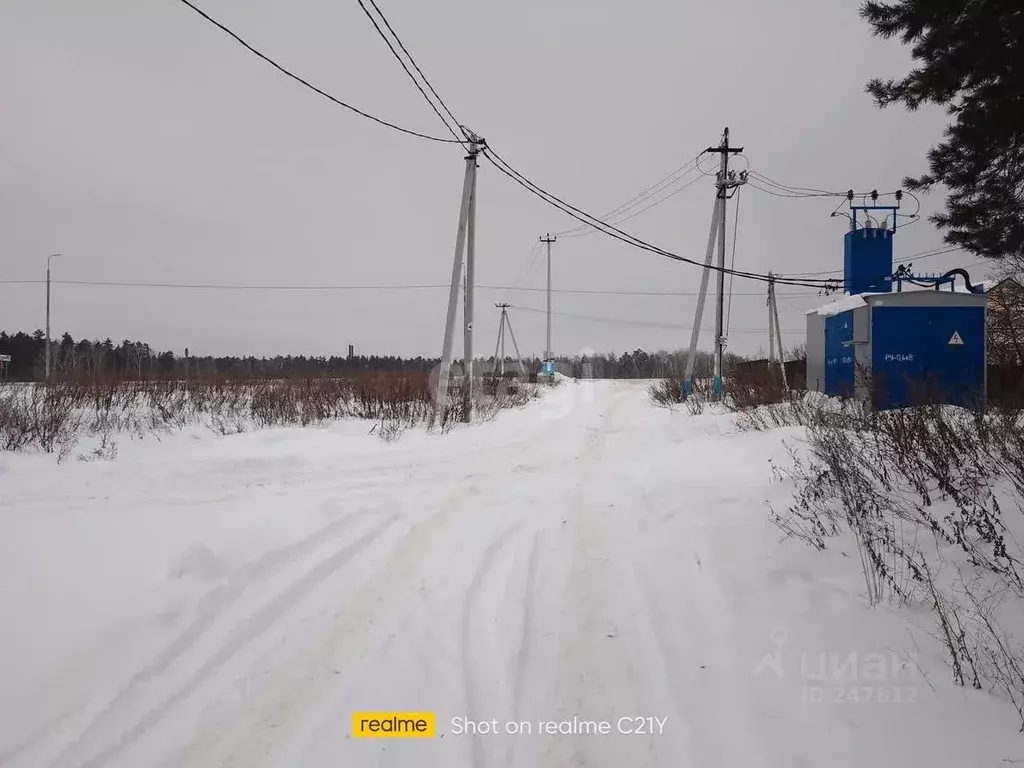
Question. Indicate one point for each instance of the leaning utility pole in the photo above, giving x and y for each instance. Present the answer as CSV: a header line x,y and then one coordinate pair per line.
x,y
724,182
47,353
467,213
691,357
774,331
500,344
548,354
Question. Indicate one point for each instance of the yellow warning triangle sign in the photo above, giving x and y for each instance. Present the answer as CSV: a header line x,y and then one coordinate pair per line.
x,y
955,339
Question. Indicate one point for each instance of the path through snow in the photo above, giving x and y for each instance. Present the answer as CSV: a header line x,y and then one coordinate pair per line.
x,y
232,601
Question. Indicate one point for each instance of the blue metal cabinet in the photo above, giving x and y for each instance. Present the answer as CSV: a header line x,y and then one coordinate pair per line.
x,y
839,368
928,354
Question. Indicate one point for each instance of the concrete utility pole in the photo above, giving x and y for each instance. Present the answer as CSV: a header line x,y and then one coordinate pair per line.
x,y
724,183
467,313
691,357
548,354
47,353
499,362
775,331
467,212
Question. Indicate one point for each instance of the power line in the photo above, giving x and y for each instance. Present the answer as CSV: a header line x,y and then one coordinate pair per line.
x,y
659,201
794,195
381,287
526,272
309,85
556,202
732,264
676,175
618,234
627,321
926,254
410,74
413,61
789,187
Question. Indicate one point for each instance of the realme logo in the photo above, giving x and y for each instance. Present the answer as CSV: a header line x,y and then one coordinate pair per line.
x,y
393,725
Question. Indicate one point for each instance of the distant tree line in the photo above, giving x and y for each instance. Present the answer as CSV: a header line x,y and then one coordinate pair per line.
x,y
71,359
137,360
640,364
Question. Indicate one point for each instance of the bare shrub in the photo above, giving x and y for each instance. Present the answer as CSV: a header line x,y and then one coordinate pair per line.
x,y
668,393
52,417
39,416
923,491
105,451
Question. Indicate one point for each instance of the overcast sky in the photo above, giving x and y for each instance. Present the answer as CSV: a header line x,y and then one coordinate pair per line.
x,y
147,146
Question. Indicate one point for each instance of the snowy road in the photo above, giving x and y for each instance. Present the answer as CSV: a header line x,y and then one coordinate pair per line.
x,y
232,601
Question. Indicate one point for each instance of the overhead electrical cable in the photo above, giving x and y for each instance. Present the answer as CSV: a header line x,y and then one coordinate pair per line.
x,y
309,85
627,321
574,212
382,287
618,234
465,138
617,220
927,254
732,263
677,175
771,182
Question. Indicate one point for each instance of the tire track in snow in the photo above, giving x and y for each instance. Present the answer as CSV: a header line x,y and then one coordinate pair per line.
x,y
258,732
469,670
210,608
696,735
523,654
602,674
704,604
243,633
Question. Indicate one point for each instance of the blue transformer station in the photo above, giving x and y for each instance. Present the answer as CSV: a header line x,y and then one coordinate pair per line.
x,y
892,347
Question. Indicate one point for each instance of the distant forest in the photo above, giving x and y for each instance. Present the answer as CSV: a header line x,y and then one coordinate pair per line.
x,y
71,359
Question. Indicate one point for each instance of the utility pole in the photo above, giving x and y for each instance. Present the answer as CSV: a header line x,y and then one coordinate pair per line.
x,y
500,344
467,211
775,331
771,324
548,354
724,182
47,353
691,357
467,313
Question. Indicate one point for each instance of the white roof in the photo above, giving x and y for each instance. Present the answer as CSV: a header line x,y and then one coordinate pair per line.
x,y
842,305
849,302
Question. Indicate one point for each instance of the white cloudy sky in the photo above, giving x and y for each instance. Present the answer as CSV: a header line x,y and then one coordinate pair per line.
x,y
147,146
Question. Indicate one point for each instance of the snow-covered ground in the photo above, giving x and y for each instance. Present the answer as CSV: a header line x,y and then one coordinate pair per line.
x,y
231,601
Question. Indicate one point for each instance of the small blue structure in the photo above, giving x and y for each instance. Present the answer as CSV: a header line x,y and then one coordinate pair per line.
x,y
867,260
839,369
899,348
